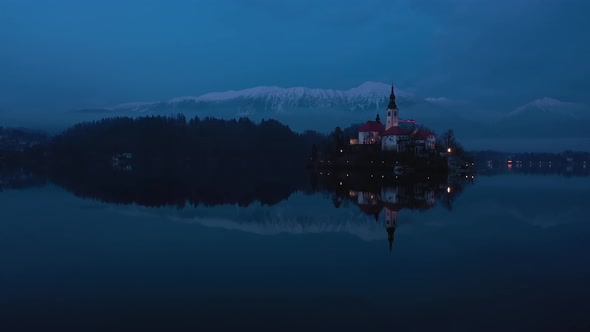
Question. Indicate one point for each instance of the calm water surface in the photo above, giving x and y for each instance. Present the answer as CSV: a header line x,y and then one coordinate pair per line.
x,y
510,253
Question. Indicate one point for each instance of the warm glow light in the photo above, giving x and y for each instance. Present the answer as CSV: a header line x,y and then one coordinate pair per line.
x,y
340,183
449,150
340,150
448,189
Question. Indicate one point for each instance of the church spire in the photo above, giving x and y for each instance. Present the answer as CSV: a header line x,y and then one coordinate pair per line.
x,y
392,104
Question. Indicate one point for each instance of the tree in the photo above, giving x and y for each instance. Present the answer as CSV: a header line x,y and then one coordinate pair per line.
x,y
314,152
447,140
338,137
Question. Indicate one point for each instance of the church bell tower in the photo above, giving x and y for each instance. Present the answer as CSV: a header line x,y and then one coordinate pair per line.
x,y
392,112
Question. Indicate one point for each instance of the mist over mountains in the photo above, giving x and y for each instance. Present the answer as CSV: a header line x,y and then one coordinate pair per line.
x,y
562,122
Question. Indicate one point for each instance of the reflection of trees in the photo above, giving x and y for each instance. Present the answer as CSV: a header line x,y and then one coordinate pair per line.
x,y
19,179
455,187
337,200
205,187
385,194
417,191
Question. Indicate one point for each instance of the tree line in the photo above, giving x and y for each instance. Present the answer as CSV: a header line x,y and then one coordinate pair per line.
x,y
175,160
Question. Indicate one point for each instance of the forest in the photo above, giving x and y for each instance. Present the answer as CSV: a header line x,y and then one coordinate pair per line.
x,y
174,160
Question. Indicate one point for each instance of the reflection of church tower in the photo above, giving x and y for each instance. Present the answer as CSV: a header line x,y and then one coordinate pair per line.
x,y
390,223
392,112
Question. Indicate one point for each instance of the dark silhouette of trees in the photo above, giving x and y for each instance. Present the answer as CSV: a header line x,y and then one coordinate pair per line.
x,y
338,137
200,161
448,140
314,152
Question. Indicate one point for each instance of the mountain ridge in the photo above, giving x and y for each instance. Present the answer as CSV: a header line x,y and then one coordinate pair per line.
x,y
369,95
305,108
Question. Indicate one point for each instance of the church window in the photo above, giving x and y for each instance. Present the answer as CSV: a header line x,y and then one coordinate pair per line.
x,y
389,113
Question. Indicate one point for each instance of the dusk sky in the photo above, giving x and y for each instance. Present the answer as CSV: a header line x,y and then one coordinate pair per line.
x,y
68,54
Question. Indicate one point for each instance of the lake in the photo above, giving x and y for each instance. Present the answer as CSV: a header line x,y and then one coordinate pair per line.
x,y
501,252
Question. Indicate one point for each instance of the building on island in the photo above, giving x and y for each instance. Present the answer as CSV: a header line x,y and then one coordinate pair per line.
x,y
393,137
370,132
424,142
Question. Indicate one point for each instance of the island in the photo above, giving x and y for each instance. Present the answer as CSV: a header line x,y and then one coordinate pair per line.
x,y
399,146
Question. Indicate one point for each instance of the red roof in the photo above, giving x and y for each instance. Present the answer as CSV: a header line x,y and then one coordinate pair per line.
x,y
397,130
423,135
371,126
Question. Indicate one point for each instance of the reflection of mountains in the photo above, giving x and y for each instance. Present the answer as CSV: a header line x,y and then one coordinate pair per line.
x,y
381,196
385,195
363,205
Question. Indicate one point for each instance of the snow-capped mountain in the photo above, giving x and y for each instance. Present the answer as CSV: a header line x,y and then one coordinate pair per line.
x,y
367,96
546,117
299,107
548,105
324,109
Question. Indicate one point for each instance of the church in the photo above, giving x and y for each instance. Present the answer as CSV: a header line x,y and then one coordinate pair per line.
x,y
392,137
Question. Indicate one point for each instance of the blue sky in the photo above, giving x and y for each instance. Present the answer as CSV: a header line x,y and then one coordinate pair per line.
x,y
67,54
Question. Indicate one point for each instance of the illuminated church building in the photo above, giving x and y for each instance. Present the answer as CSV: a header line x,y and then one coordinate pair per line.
x,y
392,137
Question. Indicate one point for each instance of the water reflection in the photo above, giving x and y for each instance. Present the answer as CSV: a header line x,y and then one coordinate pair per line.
x,y
513,248
384,195
20,179
379,196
